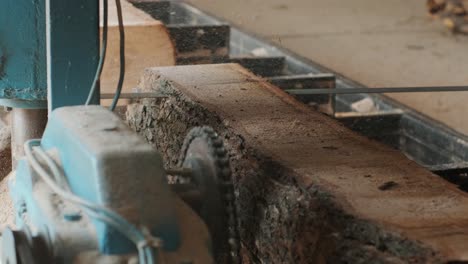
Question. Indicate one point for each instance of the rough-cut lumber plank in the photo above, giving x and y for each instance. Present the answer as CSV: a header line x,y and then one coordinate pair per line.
x,y
308,189
147,44
159,10
198,44
197,41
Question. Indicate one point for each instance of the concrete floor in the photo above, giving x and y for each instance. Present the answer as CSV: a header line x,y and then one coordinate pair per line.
x,y
377,43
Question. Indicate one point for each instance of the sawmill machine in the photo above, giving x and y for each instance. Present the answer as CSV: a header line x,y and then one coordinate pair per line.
x,y
85,188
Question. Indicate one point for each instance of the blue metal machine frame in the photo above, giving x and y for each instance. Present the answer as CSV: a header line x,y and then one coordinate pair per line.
x,y
59,68
72,51
22,53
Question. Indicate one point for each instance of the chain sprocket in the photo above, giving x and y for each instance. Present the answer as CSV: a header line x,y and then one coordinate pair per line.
x,y
203,151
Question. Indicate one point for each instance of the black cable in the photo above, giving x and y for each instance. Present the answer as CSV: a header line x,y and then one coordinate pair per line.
x,y
122,56
102,56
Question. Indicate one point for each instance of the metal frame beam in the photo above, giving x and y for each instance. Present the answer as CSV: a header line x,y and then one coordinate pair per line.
x,y
22,53
72,51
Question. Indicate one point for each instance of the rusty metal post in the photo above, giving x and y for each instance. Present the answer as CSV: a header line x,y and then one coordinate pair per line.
x,y
25,124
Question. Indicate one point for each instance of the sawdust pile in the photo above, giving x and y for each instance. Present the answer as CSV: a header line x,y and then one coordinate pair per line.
x,y
6,206
7,216
453,13
5,150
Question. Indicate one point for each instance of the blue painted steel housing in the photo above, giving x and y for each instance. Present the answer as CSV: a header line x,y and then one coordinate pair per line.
x,y
23,50
73,50
73,27
106,163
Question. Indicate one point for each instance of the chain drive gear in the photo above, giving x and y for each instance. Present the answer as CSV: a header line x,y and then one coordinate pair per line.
x,y
204,153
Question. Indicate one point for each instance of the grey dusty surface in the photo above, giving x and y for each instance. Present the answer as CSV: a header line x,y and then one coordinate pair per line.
x,y
378,43
308,189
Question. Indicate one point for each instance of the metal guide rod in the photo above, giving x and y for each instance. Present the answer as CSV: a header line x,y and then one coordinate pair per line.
x,y
134,95
320,91
378,90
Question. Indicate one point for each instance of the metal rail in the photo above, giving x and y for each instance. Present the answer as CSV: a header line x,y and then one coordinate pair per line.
x,y
320,91
134,95
378,90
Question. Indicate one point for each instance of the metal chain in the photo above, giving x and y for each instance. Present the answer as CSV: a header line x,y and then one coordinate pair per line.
x,y
225,183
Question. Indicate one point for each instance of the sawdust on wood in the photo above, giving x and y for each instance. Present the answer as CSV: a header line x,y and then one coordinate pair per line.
x,y
6,206
7,215
453,13
5,142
